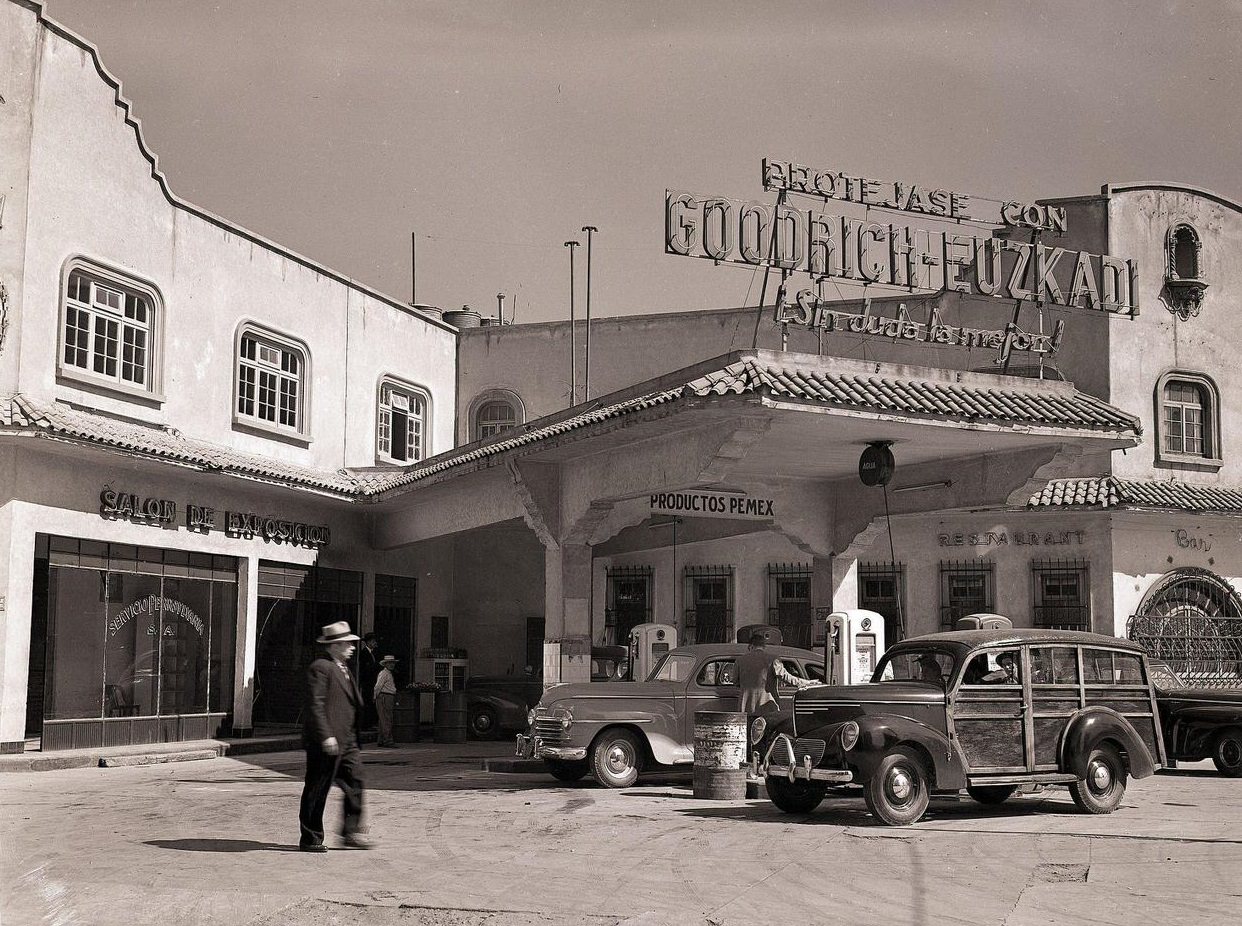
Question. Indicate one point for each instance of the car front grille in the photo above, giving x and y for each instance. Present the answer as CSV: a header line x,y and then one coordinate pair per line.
x,y
549,730
801,748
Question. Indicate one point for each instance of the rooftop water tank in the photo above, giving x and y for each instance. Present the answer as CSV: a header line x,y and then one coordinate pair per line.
x,y
465,317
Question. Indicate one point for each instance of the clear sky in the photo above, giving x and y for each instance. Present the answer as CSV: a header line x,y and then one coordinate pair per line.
x,y
496,130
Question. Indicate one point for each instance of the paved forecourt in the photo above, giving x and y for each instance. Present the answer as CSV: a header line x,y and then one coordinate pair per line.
x,y
214,842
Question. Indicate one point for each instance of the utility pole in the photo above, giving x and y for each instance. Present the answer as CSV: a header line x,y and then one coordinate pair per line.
x,y
413,269
573,338
590,230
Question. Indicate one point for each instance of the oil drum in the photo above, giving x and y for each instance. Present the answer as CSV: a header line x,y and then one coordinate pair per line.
x,y
450,717
719,754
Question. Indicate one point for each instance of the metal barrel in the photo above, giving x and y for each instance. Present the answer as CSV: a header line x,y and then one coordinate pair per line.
x,y
450,717
719,754
405,717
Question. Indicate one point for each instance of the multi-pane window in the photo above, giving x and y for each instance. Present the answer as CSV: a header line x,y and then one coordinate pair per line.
x,y
789,602
881,588
108,330
402,423
1061,594
965,588
270,382
1184,413
493,417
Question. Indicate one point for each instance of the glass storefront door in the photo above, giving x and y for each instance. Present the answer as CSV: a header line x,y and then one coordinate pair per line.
x,y
132,633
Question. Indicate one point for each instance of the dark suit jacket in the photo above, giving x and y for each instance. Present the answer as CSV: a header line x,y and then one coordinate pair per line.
x,y
333,705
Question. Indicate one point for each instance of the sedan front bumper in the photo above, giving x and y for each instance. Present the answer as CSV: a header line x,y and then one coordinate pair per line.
x,y
532,747
780,762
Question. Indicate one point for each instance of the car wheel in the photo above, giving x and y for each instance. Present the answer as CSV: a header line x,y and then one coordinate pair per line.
x,y
795,796
1105,783
897,792
484,724
616,759
991,794
1227,752
567,771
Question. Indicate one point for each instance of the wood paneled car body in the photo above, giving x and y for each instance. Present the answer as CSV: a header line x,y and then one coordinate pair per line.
x,y
614,730
984,710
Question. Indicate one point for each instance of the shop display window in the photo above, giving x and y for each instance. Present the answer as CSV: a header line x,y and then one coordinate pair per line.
x,y
136,631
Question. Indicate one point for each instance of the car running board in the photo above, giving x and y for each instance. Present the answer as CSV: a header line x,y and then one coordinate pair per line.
x,y
1044,778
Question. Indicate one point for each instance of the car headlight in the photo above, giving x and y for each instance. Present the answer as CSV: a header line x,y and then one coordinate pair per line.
x,y
530,717
849,735
567,720
757,728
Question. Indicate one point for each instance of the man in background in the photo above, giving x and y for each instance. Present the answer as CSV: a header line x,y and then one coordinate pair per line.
x,y
759,677
386,701
368,672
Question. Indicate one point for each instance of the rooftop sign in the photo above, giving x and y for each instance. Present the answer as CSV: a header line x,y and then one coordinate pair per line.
x,y
849,249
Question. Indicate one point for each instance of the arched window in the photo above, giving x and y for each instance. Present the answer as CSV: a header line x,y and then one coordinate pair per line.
x,y
1184,250
1188,418
493,417
271,381
1184,278
1192,619
109,330
402,426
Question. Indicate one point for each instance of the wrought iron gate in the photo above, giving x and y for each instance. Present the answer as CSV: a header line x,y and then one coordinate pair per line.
x,y
1205,651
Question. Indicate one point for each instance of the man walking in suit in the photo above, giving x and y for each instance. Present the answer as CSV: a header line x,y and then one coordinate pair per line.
x,y
330,736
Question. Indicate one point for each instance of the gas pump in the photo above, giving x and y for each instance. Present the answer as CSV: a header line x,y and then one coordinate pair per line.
x,y
649,642
853,644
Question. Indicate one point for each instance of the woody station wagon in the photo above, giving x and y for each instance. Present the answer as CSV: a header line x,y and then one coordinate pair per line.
x,y
984,710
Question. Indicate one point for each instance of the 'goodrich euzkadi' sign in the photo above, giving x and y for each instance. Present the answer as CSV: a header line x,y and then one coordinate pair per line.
x,y
852,249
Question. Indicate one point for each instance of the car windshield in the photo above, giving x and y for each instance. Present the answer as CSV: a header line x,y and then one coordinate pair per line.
x,y
675,667
915,665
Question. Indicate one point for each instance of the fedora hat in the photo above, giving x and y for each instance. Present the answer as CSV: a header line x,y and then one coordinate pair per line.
x,y
338,632
388,659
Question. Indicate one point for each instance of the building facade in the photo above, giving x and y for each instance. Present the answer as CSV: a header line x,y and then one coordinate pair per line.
x,y
183,405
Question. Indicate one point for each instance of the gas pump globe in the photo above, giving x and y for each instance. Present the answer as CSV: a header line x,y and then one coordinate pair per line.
x,y
853,645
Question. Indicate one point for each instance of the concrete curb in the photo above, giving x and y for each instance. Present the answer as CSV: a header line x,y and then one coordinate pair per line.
x,y
158,758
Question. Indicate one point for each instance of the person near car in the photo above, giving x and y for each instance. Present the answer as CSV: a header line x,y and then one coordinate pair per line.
x,y
759,676
368,672
331,719
386,701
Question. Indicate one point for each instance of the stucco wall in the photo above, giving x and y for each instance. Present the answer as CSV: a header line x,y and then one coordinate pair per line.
x,y
749,554
1158,341
93,194
1010,540
1145,549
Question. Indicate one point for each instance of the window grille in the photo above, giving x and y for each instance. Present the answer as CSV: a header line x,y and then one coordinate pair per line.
x,y
882,588
709,610
789,602
966,587
1061,594
628,603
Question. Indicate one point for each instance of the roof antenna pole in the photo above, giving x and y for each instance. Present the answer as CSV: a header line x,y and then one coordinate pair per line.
x,y
573,337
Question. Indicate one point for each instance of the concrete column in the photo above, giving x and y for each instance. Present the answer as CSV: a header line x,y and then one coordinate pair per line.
x,y
845,582
366,620
567,604
16,600
248,619
822,585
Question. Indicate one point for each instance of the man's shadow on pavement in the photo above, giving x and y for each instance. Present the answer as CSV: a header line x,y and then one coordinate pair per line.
x,y
220,845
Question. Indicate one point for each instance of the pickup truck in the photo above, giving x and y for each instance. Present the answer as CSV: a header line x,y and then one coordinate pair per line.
x,y
1199,723
991,710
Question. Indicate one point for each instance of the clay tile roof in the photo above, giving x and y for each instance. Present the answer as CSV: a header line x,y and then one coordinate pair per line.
x,y
57,421
1111,492
781,378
